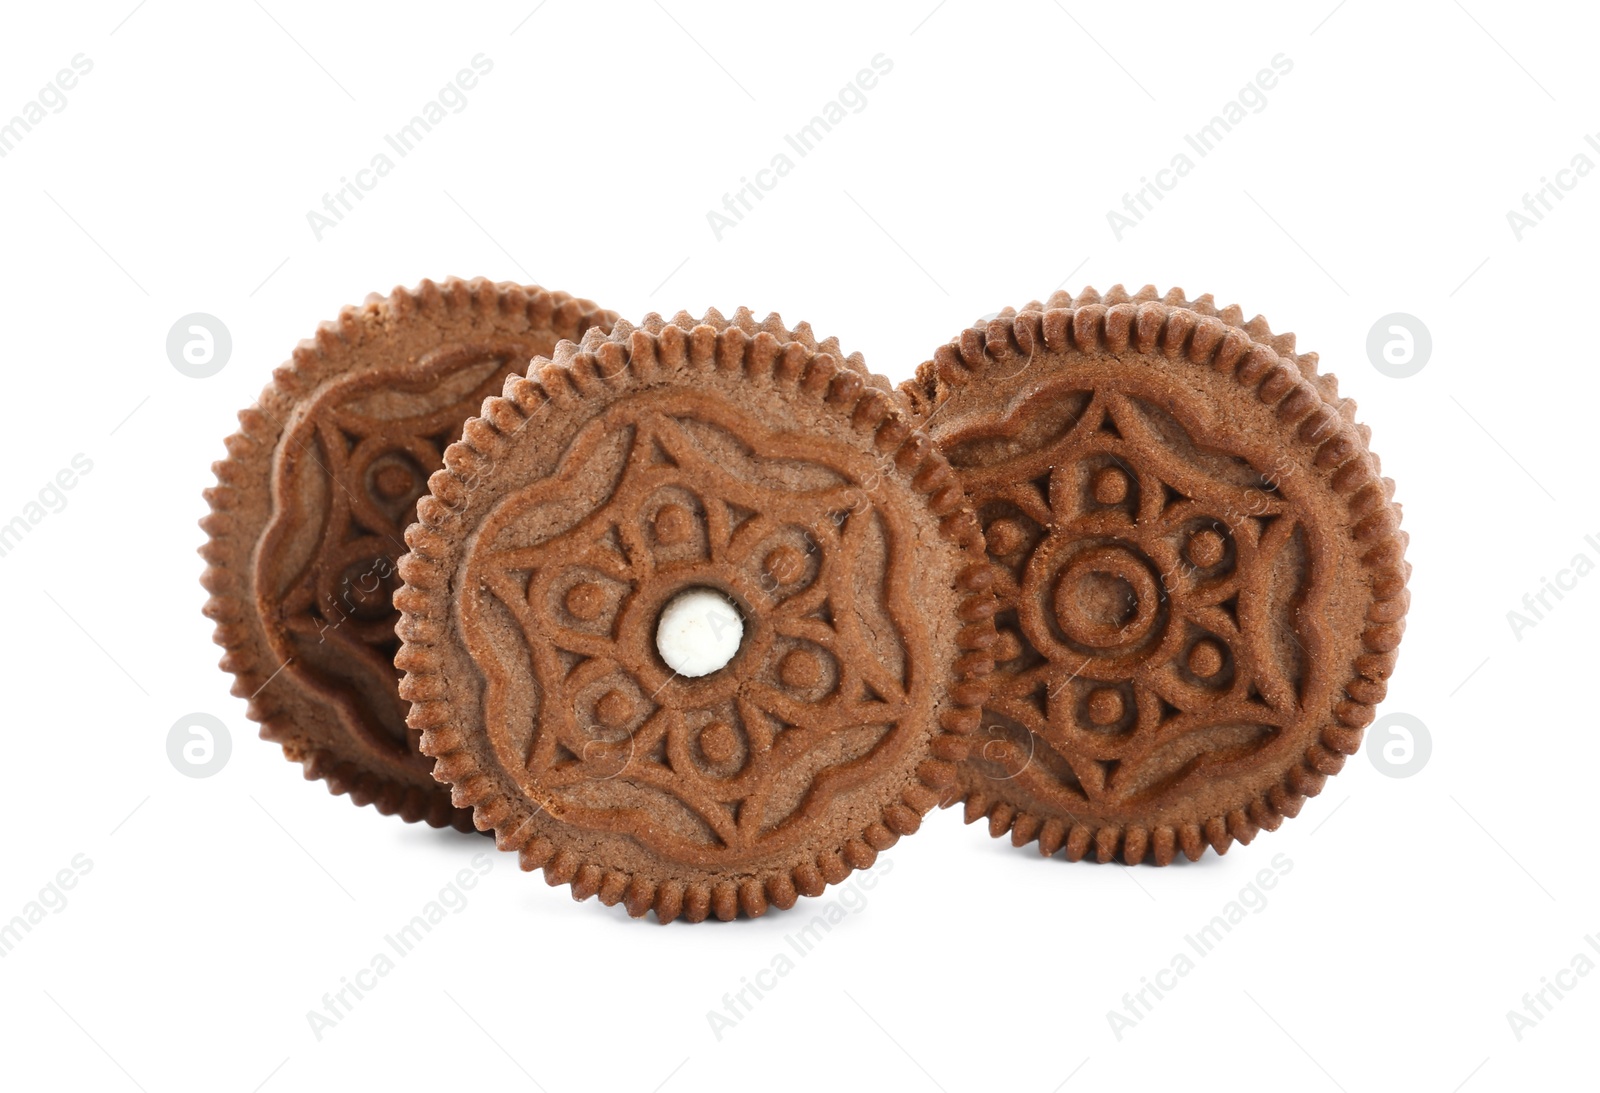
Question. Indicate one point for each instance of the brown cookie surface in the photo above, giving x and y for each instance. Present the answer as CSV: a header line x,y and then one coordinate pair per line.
x,y
1199,571
310,509
729,460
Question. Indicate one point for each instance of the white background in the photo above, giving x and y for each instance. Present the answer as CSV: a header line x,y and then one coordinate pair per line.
x,y
1377,179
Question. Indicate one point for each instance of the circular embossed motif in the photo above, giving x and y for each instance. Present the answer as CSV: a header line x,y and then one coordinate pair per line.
x,y
1184,593
311,509
1205,662
831,675
349,470
763,486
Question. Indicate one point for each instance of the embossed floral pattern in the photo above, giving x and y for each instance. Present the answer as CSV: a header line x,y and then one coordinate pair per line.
x,y
1158,604
822,694
348,474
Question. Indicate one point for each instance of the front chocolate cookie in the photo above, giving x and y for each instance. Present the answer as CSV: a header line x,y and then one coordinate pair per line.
x,y
693,620
1199,571
311,505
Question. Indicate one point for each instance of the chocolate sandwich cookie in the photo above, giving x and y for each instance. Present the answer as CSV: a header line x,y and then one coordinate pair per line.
x,y
310,509
1199,569
693,619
